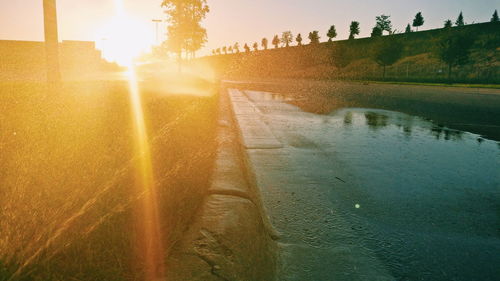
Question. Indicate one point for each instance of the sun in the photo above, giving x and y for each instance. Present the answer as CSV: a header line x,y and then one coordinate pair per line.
x,y
124,38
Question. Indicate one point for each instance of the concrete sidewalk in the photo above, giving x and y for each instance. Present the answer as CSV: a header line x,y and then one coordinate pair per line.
x,y
230,238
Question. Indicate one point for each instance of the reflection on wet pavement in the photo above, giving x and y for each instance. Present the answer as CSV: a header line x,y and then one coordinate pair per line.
x,y
364,191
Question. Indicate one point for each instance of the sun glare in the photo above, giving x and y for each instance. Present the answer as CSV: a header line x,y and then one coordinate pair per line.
x,y
124,38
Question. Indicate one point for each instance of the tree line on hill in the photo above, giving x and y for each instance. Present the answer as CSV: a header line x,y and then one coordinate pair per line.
x,y
453,48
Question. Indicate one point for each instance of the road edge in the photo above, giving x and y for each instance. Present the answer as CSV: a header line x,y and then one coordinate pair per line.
x,y
231,237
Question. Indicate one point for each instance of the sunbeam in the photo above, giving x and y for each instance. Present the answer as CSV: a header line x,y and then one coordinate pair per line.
x,y
123,48
148,223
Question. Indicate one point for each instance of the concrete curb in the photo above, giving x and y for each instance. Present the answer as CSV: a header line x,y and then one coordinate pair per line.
x,y
260,137
231,237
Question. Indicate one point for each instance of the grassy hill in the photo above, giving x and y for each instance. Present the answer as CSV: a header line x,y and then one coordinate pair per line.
x,y
354,59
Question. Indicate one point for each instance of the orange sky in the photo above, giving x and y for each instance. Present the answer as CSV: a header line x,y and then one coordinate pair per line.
x,y
238,20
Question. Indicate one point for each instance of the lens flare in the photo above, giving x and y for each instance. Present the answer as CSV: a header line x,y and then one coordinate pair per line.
x,y
149,236
122,46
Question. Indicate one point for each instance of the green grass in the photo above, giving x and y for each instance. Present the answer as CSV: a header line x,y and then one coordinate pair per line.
x,y
459,85
67,176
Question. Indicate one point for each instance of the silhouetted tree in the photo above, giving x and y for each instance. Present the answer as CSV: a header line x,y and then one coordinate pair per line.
x,y
276,41
408,29
255,46
494,18
454,49
236,47
224,49
448,24
299,39
418,20
332,33
460,20
384,23
353,29
185,32
230,49
218,51
314,37
264,43
286,38
247,49
213,52
376,31
388,53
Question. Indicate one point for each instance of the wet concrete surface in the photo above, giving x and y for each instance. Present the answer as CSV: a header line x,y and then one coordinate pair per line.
x,y
469,109
365,194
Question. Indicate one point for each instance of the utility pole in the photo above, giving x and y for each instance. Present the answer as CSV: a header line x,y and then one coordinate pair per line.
x,y
156,23
51,41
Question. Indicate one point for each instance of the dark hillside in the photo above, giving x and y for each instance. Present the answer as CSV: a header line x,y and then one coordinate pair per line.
x,y
355,59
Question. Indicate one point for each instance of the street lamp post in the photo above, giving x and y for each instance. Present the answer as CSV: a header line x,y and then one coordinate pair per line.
x,y
156,23
51,41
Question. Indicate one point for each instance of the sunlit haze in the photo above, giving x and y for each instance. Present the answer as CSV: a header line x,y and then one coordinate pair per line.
x,y
155,140
123,37
228,21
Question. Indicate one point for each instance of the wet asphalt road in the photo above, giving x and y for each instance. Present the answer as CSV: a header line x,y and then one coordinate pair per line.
x,y
365,194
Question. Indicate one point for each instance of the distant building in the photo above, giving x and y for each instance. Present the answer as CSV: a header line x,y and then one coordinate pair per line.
x,y
25,60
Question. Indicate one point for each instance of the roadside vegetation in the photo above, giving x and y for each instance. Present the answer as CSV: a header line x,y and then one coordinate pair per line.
x,y
76,164
68,192
457,52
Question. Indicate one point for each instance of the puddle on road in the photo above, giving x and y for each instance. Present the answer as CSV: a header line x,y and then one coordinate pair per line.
x,y
424,198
